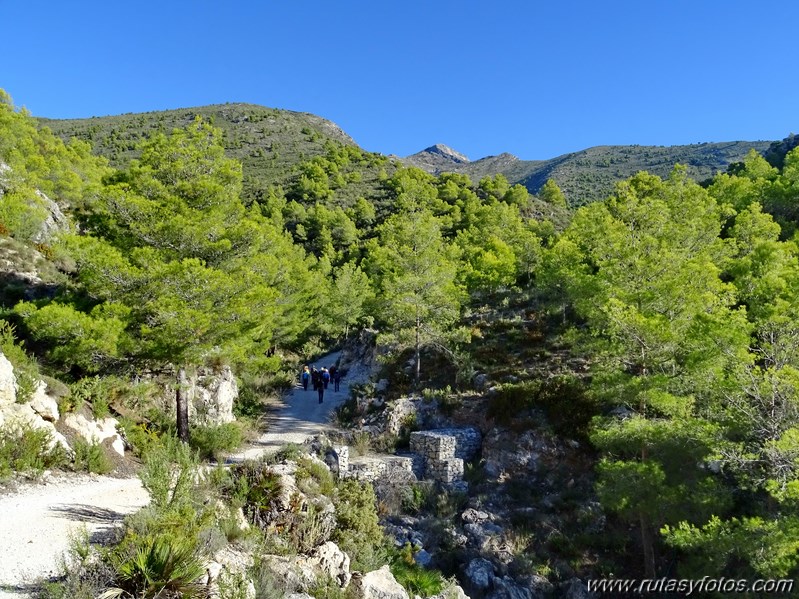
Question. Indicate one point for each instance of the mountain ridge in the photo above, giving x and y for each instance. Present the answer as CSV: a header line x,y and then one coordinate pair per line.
x,y
272,142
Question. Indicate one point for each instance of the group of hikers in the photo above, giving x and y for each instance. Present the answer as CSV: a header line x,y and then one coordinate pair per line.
x,y
320,379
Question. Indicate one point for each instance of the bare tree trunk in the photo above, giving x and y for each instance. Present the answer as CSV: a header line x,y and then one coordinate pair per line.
x,y
418,354
182,405
648,547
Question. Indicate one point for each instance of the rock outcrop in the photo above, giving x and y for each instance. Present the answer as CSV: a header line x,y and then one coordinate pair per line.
x,y
213,396
379,584
40,412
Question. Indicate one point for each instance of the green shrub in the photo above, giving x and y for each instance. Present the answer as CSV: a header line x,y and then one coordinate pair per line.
x,y
414,578
318,474
347,412
258,489
309,529
361,443
450,503
358,532
26,369
266,582
94,391
329,589
290,452
163,566
26,449
418,497
81,574
90,457
168,474
563,399
211,441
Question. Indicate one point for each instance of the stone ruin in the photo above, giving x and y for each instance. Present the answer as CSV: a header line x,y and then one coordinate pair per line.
x,y
436,455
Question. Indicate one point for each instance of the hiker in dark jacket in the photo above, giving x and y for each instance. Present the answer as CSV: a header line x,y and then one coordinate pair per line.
x,y
321,390
336,379
315,378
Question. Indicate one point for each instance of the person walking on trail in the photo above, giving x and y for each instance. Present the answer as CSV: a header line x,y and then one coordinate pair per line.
x,y
315,378
305,377
320,388
336,379
325,376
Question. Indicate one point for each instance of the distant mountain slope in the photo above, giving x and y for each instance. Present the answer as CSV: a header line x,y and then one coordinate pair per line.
x,y
268,141
272,142
590,174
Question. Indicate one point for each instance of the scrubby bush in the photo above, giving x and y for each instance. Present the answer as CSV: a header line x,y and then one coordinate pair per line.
x,y
168,474
26,369
27,449
163,566
211,441
90,457
314,477
563,398
358,532
413,577
258,489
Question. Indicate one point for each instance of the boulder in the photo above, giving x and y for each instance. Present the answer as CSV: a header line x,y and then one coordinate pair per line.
x,y
96,431
480,574
294,573
480,382
14,417
472,515
8,382
506,588
213,397
44,405
575,588
333,562
540,587
379,584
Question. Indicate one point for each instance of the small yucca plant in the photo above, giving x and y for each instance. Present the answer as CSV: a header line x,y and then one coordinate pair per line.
x,y
161,567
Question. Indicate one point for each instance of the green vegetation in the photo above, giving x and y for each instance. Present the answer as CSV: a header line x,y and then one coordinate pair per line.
x,y
28,450
652,334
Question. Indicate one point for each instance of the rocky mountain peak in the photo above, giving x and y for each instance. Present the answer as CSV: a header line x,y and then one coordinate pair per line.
x,y
446,152
437,159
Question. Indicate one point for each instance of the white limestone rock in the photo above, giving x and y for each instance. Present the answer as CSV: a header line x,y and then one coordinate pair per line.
x,y
213,397
8,382
380,584
44,405
14,417
333,562
96,431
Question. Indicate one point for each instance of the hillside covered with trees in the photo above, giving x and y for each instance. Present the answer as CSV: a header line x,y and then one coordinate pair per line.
x,y
650,337
270,142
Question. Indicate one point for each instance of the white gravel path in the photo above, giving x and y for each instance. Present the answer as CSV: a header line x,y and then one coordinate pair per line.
x,y
38,520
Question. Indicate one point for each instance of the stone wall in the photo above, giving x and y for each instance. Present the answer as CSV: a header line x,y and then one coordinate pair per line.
x,y
444,451
435,455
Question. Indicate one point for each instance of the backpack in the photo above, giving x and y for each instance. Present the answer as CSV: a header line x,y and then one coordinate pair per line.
x,y
325,376
305,375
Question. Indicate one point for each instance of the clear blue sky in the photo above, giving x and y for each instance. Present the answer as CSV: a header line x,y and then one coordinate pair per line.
x,y
537,79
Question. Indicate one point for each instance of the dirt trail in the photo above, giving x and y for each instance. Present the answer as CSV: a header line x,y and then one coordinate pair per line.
x,y
300,415
38,520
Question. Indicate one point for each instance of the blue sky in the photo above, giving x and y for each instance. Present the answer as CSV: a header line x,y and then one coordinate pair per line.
x,y
536,79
